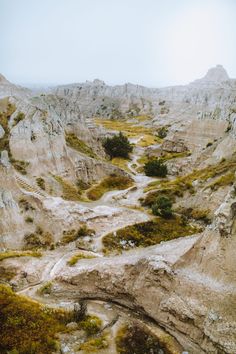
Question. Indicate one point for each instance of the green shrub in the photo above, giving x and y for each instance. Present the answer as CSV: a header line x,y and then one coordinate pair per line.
x,y
155,168
162,207
29,219
162,132
118,146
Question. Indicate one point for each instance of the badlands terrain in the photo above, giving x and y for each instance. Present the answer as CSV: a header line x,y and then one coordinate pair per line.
x,y
85,266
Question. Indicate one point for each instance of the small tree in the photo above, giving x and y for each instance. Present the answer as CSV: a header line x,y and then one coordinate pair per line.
x,y
162,207
155,168
118,146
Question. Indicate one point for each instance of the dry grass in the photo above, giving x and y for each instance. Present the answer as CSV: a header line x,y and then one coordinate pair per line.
x,y
69,190
78,257
26,326
121,163
110,183
130,129
14,254
147,234
77,144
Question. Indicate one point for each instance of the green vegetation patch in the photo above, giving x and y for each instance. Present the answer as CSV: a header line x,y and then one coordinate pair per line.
x,y
75,143
14,254
183,183
41,183
225,180
26,326
94,344
147,234
6,110
91,325
110,183
155,168
118,146
133,339
20,166
74,259
73,235
45,289
38,239
121,163
195,214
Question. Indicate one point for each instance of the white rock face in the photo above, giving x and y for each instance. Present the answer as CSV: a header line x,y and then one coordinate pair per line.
x,y
9,89
214,75
2,132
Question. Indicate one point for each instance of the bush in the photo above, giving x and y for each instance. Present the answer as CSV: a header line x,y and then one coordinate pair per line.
x,y
155,168
162,207
118,146
162,132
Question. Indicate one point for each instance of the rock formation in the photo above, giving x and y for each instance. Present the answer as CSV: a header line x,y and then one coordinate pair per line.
x,y
52,156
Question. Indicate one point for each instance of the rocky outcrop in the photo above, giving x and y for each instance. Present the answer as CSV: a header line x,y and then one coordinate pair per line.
x,y
9,89
181,284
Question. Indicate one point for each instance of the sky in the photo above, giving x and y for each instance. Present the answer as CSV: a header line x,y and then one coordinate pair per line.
x,y
148,42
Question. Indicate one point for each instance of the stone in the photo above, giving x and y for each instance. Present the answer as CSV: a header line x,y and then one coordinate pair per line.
x,y
2,132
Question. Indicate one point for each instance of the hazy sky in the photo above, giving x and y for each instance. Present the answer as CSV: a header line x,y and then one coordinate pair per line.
x,y
150,42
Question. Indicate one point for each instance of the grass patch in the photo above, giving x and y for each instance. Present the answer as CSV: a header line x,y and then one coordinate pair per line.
x,y
38,239
78,257
225,180
45,289
110,183
196,214
147,234
6,274
75,143
69,190
26,326
20,166
14,254
147,140
91,325
94,344
121,163
131,130
73,235
7,109
41,183
175,155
